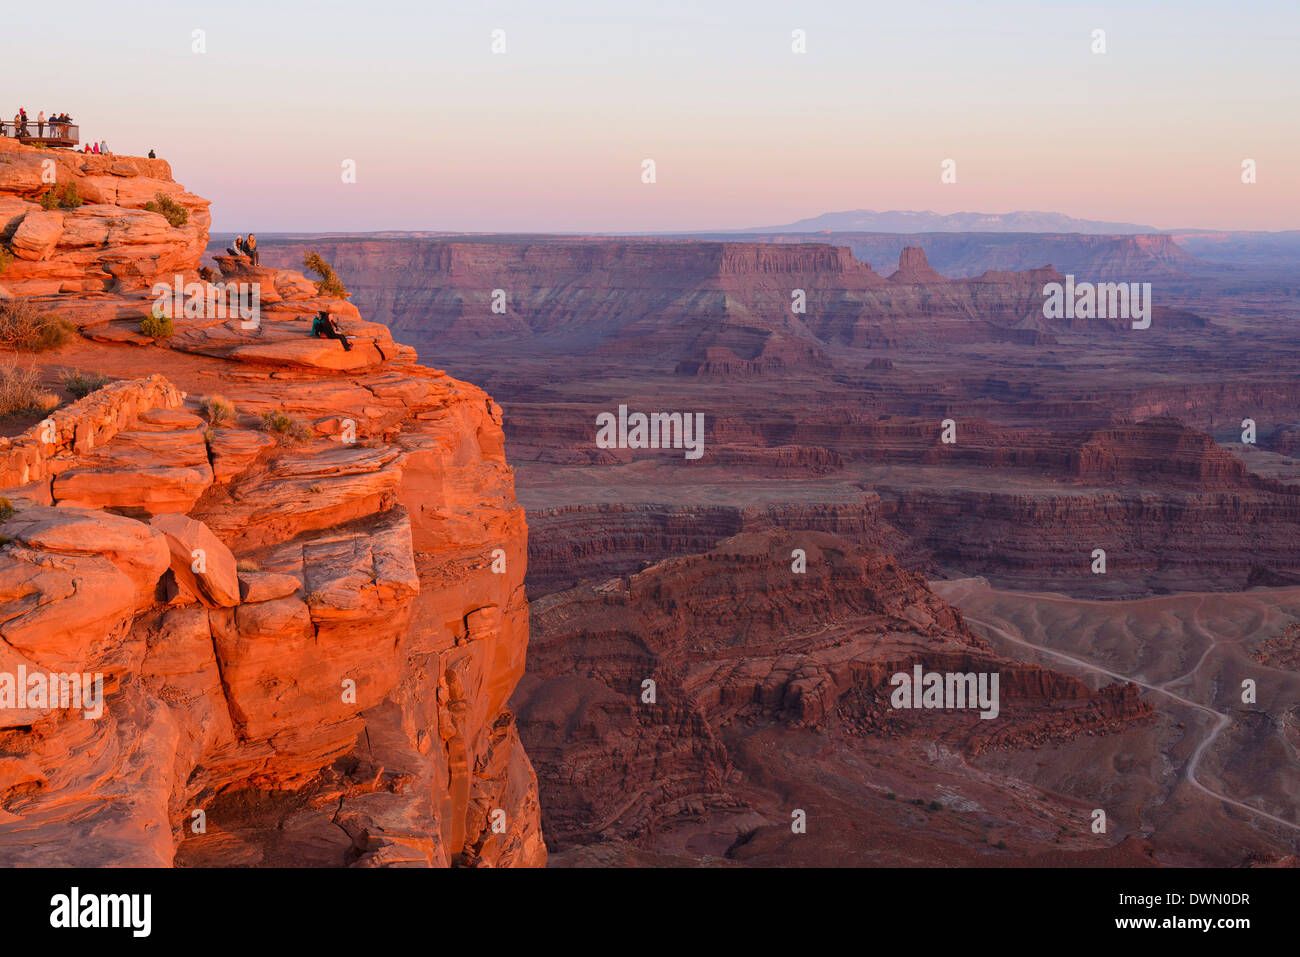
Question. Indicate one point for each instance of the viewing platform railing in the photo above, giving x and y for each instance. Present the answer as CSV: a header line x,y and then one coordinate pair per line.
x,y
48,133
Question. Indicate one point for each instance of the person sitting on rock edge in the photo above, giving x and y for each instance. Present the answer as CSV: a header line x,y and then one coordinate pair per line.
x,y
323,327
251,248
152,156
239,247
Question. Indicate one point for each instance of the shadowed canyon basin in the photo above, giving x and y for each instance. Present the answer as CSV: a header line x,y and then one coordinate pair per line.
x,y
1103,529
342,608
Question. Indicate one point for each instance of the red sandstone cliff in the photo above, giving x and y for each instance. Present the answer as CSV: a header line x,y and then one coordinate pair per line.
x,y
308,634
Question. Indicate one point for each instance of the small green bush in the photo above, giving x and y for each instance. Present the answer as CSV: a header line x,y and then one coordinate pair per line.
x,y
218,409
6,509
24,328
156,327
62,197
81,384
284,426
330,284
176,214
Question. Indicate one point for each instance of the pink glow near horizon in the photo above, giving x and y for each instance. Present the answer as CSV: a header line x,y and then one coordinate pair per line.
x,y
550,136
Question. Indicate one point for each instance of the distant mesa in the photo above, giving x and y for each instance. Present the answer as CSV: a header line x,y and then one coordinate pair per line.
x,y
928,221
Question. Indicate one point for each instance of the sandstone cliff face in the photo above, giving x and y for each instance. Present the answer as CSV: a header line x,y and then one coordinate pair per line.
x,y
1096,258
307,634
562,551
110,242
694,308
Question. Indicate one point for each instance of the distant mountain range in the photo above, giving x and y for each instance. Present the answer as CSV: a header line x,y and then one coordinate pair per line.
x,y
927,221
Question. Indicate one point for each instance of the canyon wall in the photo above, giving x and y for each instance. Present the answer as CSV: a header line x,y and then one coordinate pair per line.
x,y
691,307
296,568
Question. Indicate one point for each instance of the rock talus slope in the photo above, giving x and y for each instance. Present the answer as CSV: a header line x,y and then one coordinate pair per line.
x,y
305,608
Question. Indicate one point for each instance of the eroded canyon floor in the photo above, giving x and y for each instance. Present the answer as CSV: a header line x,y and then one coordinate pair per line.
x,y
1123,688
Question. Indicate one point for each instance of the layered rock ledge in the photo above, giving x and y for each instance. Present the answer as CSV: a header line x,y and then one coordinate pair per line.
x,y
297,569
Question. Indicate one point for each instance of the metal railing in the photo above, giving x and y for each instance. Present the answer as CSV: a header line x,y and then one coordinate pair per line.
x,y
50,133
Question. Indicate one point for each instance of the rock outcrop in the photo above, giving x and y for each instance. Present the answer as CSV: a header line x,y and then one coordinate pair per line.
x,y
296,570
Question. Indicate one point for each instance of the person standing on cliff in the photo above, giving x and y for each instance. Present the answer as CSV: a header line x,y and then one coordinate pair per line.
x,y
251,248
40,124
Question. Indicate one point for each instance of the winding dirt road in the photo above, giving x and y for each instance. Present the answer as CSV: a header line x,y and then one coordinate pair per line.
x,y
1223,720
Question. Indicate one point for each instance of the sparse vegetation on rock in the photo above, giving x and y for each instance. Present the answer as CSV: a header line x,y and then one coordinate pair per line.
x,y
157,327
172,211
329,284
81,384
65,196
284,426
21,391
24,328
218,409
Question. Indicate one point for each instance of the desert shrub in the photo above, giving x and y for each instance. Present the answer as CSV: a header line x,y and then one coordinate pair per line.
x,y
208,274
329,284
246,565
284,426
6,260
315,598
217,408
156,327
25,328
6,509
65,196
81,384
20,391
172,211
